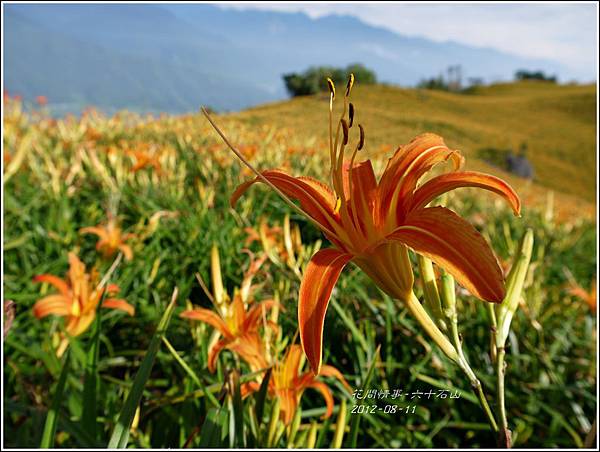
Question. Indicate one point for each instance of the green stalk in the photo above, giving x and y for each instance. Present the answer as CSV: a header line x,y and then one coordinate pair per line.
x,y
414,306
504,314
448,294
504,437
120,434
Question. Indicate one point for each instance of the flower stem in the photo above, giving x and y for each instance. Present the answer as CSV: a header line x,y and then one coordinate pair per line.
x,y
416,309
475,383
504,436
478,389
454,352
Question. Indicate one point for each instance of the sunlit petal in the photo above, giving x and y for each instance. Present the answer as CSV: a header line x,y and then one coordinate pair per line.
x,y
327,395
55,281
455,245
208,316
115,303
320,277
52,304
213,353
446,182
315,198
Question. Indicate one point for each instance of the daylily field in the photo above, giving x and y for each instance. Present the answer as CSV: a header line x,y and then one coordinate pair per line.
x,y
154,296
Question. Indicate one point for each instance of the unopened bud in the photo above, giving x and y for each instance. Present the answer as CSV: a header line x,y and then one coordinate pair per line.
x,y
361,140
331,87
351,114
345,130
349,85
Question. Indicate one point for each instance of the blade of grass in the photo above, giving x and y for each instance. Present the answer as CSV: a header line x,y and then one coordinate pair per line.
x,y
190,372
238,409
355,423
52,416
351,324
340,426
261,397
210,435
90,383
120,434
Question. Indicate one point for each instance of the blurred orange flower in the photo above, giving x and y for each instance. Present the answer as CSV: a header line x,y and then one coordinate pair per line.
x,y
111,238
41,100
78,297
287,384
590,297
144,159
235,320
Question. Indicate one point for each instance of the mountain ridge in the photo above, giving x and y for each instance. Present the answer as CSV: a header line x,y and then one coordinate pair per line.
x,y
174,57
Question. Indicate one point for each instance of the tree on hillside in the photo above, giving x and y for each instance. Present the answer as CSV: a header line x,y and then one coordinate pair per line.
x,y
524,74
314,79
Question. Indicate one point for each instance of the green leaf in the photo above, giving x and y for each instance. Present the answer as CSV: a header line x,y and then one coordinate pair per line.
x,y
237,407
261,396
210,435
355,422
52,416
120,434
90,383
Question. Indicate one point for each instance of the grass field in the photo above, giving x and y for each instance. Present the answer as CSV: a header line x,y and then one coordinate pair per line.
x,y
168,181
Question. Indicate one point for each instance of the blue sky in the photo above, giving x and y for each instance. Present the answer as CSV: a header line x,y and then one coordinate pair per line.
x,y
564,32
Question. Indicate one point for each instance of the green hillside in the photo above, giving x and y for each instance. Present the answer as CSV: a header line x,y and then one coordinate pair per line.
x,y
557,123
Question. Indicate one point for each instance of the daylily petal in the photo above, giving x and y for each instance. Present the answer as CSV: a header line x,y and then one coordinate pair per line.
x,y
248,388
117,303
253,316
250,348
364,193
288,404
330,371
455,245
52,304
322,272
112,288
291,366
79,324
213,353
100,232
327,395
127,252
446,182
316,199
60,284
208,316
408,165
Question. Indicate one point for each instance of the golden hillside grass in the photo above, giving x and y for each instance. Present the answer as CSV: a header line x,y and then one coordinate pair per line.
x,y
558,123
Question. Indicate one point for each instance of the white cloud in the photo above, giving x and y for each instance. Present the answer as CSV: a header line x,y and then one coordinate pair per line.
x,y
563,32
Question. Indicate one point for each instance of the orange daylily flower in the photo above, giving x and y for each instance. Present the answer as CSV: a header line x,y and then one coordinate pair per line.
x,y
111,238
78,297
373,223
144,159
41,100
288,384
277,241
237,322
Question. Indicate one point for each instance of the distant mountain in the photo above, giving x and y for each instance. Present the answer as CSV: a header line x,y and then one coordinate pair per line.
x,y
175,57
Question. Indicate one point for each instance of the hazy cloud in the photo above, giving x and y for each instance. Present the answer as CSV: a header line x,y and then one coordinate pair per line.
x,y
563,32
